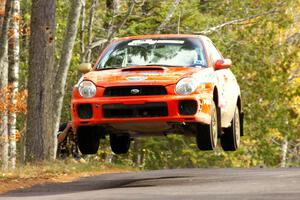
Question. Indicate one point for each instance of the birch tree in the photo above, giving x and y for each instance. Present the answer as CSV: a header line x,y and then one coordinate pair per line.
x,y
81,31
3,81
65,59
284,150
13,78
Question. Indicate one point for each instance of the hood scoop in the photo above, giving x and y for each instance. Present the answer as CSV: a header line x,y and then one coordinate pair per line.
x,y
137,69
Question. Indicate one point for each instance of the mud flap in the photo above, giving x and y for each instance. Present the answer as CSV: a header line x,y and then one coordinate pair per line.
x,y
242,123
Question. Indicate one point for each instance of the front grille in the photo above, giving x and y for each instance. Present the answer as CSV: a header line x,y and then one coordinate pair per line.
x,y
85,111
134,91
158,109
187,107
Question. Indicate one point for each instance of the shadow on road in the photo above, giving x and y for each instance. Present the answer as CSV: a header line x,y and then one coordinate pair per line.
x,y
175,184
100,182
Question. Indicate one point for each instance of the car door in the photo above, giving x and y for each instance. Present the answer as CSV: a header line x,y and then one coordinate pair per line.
x,y
226,84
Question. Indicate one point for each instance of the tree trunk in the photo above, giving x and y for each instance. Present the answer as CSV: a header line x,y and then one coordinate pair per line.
x,y
81,32
40,130
66,55
90,29
113,29
116,28
112,7
13,78
137,158
46,83
284,150
168,17
3,82
2,11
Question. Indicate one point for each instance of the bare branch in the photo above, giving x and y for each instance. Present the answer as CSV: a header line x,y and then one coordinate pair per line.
x,y
279,144
113,8
93,45
97,43
293,39
140,2
81,31
113,32
294,74
83,3
117,28
168,17
90,28
236,21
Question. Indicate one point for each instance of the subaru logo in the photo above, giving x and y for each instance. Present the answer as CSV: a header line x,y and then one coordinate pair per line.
x,y
135,91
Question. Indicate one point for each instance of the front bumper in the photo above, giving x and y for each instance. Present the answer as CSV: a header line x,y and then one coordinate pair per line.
x,y
172,103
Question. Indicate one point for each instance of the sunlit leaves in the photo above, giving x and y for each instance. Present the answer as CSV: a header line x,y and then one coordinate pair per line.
x,y
262,59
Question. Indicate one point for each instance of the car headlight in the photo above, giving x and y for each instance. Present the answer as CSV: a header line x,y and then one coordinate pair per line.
x,y
87,89
186,86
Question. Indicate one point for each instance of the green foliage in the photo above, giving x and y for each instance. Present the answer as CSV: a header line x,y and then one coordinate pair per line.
x,y
263,62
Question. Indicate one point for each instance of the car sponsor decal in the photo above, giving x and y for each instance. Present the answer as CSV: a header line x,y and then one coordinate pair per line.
x,y
199,62
150,73
205,106
136,78
135,73
151,42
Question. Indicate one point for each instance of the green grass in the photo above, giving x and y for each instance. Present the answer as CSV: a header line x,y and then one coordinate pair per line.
x,y
59,168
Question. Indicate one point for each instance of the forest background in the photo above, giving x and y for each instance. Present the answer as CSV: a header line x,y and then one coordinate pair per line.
x,y
262,37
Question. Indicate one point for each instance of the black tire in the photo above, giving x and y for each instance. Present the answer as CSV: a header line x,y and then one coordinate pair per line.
x,y
230,140
119,144
207,134
88,139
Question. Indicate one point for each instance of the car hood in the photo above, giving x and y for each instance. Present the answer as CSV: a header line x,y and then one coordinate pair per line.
x,y
140,75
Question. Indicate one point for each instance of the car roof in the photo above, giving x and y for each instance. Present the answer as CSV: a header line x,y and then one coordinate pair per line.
x,y
160,36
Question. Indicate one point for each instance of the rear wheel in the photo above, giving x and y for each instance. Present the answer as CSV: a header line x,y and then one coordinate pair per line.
x,y
230,140
119,144
207,134
88,139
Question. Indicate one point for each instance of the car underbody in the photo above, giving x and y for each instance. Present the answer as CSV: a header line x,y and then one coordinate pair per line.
x,y
158,128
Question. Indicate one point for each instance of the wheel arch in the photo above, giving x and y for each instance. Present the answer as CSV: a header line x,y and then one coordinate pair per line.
x,y
216,96
216,100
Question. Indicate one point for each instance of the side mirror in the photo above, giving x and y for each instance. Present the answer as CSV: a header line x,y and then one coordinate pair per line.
x,y
85,67
223,64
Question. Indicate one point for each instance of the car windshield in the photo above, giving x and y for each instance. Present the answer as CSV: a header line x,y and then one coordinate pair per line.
x,y
162,52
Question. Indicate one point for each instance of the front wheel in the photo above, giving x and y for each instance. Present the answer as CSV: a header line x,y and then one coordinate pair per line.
x,y
88,139
207,135
230,140
119,144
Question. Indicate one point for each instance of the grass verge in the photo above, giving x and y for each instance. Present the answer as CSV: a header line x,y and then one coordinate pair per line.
x,y
54,172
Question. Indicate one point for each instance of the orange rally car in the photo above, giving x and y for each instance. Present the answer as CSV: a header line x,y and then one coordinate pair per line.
x,y
156,85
